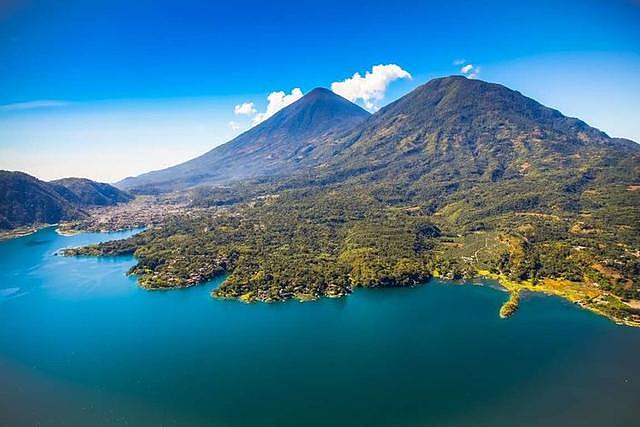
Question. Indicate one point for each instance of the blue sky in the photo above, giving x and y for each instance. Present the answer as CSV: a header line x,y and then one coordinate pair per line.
x,y
107,89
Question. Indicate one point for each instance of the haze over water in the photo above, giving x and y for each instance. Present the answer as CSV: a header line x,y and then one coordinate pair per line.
x,y
81,344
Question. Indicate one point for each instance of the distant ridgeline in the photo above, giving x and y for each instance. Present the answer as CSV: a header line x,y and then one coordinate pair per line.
x,y
26,200
458,178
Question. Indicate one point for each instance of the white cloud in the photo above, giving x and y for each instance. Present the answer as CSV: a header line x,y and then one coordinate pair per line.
x,y
466,68
234,126
276,101
469,70
372,87
32,105
474,73
246,108
458,61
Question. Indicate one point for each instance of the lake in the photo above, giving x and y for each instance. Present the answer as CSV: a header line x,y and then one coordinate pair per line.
x,y
81,344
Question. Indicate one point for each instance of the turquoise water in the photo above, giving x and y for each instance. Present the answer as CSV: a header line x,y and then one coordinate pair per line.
x,y
81,344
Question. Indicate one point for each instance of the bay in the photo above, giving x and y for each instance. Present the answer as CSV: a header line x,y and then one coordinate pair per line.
x,y
82,344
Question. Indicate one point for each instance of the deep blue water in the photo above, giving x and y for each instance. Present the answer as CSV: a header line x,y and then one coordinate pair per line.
x,y
81,344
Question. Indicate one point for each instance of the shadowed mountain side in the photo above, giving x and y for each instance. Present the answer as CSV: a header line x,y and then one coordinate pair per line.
x,y
26,200
84,192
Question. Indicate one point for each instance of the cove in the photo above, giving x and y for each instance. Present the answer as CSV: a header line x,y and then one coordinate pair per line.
x,y
82,344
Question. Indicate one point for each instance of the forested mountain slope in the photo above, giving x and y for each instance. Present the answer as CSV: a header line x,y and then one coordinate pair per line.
x,y
26,200
85,192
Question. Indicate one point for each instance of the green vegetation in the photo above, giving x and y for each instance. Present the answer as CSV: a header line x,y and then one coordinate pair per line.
x,y
511,305
305,244
459,178
293,246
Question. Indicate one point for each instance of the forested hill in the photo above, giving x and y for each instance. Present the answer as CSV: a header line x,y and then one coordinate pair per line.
x,y
83,192
26,200
295,137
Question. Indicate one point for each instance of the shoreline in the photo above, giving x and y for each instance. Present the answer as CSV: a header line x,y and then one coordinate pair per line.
x,y
507,309
23,231
586,295
580,295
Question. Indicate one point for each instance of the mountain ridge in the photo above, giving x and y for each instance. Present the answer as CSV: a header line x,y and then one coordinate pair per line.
x,y
26,200
466,128
86,192
525,122
278,145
